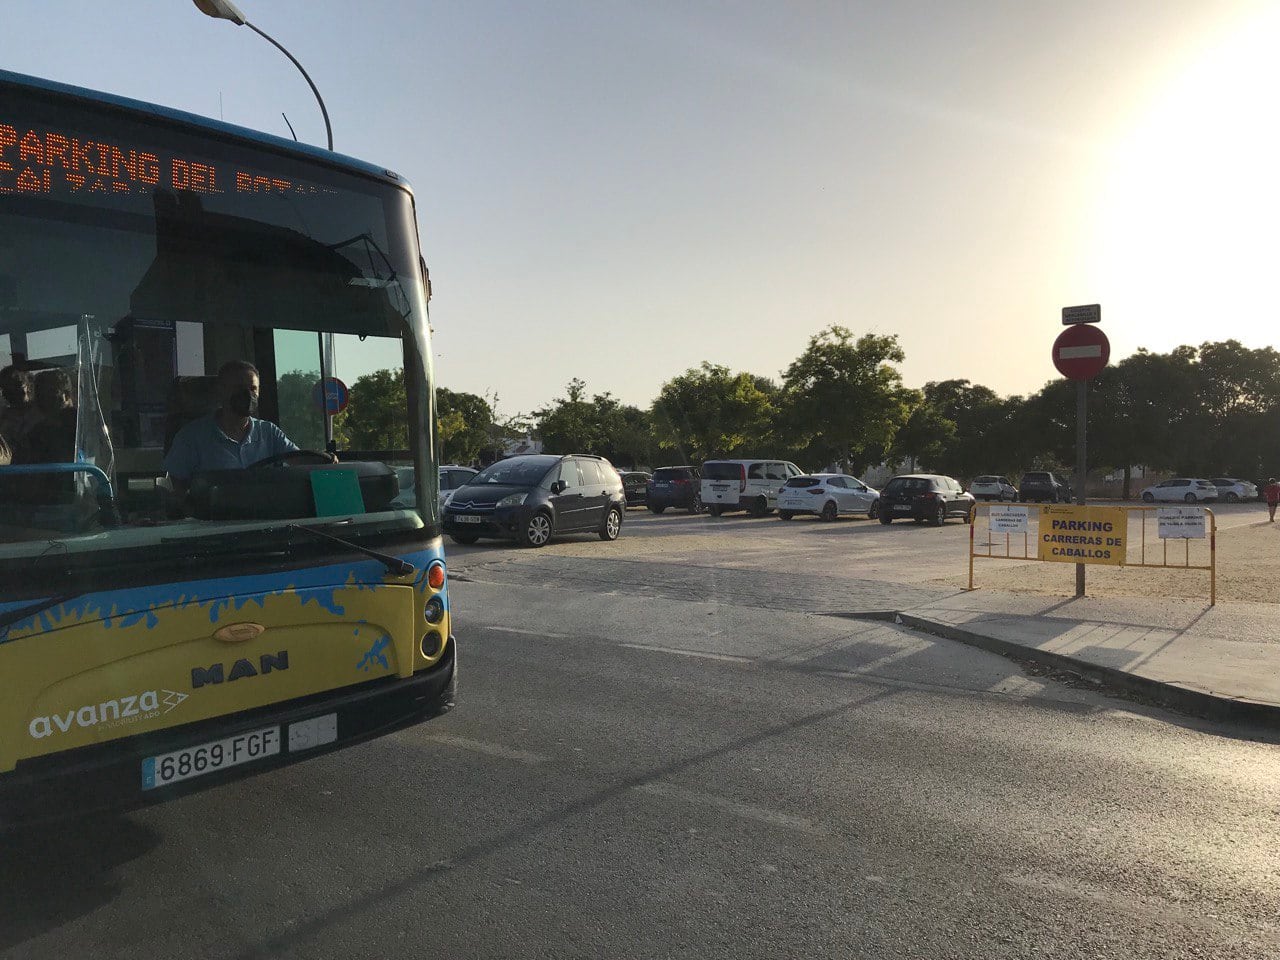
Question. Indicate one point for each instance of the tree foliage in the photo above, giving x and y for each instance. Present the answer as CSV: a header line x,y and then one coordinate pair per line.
x,y
843,400
376,417
710,411
601,425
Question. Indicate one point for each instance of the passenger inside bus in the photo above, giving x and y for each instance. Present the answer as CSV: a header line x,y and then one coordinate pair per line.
x,y
19,413
232,437
52,436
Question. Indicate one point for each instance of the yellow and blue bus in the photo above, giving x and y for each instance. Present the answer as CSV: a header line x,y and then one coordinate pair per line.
x,y
159,634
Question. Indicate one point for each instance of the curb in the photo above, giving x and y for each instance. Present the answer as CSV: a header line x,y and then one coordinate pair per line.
x,y
1198,703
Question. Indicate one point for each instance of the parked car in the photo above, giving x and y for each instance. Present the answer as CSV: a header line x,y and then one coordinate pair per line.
x,y
829,495
924,497
750,485
676,487
451,478
635,484
1041,485
532,498
991,487
1234,490
1188,489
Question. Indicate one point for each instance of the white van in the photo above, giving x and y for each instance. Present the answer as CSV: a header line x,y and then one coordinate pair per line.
x,y
750,485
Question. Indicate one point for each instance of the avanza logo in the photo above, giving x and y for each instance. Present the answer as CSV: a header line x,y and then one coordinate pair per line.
x,y
110,712
219,673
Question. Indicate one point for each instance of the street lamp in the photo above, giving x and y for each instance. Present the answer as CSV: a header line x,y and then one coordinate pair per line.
x,y
226,10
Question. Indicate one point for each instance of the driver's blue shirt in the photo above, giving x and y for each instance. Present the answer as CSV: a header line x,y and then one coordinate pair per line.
x,y
201,446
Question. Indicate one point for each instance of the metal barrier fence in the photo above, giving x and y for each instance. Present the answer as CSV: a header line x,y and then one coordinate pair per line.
x,y
1007,537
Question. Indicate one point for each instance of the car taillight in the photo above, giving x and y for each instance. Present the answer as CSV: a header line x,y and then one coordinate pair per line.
x,y
682,481
742,484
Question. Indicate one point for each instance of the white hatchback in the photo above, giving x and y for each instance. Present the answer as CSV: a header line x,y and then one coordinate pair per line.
x,y
1184,489
829,495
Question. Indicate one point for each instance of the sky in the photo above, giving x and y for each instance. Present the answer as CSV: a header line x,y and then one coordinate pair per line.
x,y
618,192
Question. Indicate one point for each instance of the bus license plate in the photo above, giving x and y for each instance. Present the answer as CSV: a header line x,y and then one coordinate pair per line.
x,y
467,518
167,768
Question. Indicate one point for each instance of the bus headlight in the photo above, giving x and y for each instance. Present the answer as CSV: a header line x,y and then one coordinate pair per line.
x,y
432,644
434,611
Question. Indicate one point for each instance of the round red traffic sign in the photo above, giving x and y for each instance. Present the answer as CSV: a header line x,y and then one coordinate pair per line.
x,y
1081,351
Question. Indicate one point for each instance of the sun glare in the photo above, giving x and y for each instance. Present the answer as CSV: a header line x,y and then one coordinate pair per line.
x,y
1187,247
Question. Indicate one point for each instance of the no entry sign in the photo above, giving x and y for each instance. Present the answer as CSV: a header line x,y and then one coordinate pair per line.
x,y
1081,351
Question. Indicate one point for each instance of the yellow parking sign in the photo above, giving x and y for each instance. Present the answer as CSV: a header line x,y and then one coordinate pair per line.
x,y
1075,534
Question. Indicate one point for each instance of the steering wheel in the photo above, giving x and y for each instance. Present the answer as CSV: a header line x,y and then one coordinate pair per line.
x,y
315,457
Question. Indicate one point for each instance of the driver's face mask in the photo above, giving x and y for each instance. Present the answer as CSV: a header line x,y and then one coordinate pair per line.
x,y
244,403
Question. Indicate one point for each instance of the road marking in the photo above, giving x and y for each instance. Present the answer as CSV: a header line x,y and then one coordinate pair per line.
x,y
700,654
669,791
488,749
527,633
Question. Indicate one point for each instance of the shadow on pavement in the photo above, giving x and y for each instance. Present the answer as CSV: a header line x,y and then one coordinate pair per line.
x,y
52,873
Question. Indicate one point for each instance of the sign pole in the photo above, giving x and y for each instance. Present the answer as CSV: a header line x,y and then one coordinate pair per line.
x,y
1082,415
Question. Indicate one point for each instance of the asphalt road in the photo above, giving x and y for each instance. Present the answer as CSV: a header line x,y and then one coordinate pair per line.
x,y
742,769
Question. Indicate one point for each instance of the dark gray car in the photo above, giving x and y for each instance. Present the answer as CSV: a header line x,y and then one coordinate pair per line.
x,y
533,498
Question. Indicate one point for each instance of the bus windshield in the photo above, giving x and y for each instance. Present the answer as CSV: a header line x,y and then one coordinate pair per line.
x,y
138,261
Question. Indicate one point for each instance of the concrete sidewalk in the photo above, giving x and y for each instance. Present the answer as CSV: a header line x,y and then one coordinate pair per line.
x,y
1221,662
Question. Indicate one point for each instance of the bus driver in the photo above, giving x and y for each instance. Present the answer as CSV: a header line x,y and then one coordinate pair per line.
x,y
232,437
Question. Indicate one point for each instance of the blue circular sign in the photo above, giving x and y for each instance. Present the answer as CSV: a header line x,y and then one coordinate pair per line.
x,y
331,395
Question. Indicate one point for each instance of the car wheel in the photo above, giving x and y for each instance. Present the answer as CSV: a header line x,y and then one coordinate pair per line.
x,y
874,510
696,505
829,512
1189,498
656,510
715,510
886,519
785,514
465,539
1148,498
1232,498
940,516
612,525
536,531
760,507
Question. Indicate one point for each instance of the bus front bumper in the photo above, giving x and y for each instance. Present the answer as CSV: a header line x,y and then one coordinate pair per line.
x,y
110,776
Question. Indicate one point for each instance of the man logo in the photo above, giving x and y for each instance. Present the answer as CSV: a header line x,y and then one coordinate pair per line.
x,y
239,632
218,673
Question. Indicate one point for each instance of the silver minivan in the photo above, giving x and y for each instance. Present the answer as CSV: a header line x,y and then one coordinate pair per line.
x,y
750,485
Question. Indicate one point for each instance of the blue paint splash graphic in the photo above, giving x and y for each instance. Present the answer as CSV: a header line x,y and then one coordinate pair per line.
x,y
377,653
141,605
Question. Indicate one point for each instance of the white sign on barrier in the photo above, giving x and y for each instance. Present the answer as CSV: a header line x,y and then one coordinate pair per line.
x,y
1009,519
1181,523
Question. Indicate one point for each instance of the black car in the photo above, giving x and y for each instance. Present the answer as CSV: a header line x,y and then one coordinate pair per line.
x,y
531,499
924,497
676,487
1041,485
635,484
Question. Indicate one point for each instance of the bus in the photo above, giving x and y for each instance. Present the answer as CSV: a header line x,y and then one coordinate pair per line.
x,y
177,610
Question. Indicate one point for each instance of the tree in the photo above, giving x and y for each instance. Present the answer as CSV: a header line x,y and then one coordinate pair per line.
x,y
843,399
301,417
376,417
924,437
709,411
464,425
980,440
602,425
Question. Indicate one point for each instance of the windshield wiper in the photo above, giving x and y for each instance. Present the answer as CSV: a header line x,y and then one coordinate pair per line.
x,y
393,564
